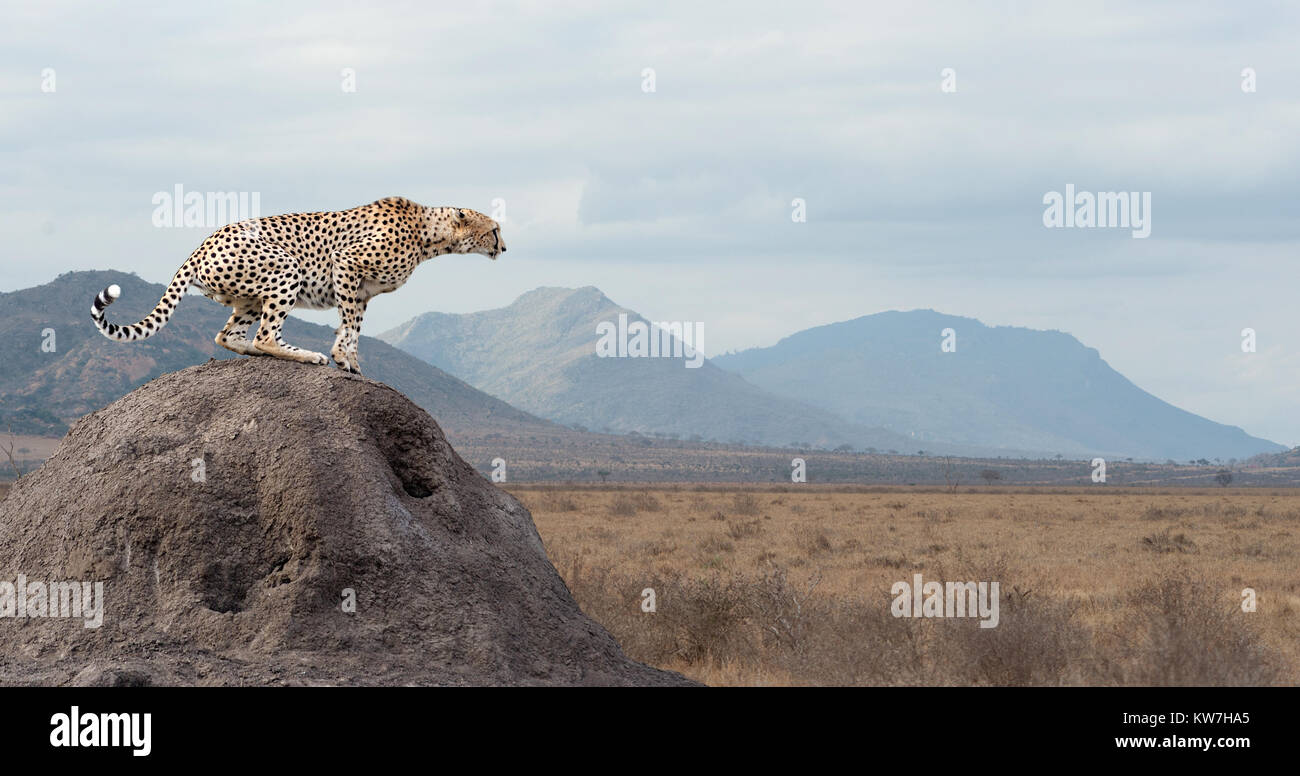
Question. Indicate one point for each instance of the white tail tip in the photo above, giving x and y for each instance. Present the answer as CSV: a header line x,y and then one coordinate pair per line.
x,y
114,291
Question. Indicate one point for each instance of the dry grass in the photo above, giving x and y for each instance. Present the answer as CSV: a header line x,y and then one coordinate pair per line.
x,y
791,585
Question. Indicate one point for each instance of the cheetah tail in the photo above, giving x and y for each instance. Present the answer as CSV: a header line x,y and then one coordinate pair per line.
x,y
153,322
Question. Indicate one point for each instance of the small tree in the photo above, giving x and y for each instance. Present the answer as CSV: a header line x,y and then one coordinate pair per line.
x,y
603,474
1224,478
991,476
9,453
951,477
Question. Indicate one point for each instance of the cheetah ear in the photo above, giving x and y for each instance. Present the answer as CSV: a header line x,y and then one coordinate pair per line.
x,y
461,213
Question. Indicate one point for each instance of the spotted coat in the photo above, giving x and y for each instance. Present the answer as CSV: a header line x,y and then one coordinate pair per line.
x,y
263,268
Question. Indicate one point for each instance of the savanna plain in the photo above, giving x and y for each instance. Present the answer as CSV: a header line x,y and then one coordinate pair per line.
x,y
791,584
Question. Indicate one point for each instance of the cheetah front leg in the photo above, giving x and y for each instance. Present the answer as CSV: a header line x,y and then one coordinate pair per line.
x,y
274,310
347,336
352,308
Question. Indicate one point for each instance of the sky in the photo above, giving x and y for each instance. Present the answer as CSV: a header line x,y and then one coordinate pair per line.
x,y
920,138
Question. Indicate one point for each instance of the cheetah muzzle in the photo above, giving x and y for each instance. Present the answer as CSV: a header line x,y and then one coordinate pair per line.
x,y
263,268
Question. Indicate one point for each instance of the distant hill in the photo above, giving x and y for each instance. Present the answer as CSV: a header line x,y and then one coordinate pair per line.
x,y
539,354
1006,391
42,392
1004,387
1287,459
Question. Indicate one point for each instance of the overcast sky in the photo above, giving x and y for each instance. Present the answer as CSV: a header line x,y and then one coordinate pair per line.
x,y
676,202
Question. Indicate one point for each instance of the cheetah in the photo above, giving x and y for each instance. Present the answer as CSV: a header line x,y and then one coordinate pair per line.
x,y
263,268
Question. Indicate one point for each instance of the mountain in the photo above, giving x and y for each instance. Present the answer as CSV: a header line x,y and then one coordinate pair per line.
x,y
42,390
539,354
1003,387
879,381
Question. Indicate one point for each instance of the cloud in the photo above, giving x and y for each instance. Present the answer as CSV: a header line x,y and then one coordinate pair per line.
x,y
678,201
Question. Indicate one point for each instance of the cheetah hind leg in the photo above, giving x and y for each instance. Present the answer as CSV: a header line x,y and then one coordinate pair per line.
x,y
234,336
268,339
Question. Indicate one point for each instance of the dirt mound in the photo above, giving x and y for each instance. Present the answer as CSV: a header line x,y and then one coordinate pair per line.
x,y
235,511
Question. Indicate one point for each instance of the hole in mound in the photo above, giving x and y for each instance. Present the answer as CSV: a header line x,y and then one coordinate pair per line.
x,y
414,472
225,585
277,575
416,489
413,450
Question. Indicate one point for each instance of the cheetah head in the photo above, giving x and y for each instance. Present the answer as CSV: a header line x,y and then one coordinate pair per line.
x,y
473,232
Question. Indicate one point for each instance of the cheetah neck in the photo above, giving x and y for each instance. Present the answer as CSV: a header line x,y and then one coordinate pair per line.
x,y
438,232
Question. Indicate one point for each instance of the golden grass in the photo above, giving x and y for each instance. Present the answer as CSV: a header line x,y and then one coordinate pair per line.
x,y
1127,587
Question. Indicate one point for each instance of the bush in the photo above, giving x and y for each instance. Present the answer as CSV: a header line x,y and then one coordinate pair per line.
x,y
1182,633
744,530
623,505
1164,541
1177,632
